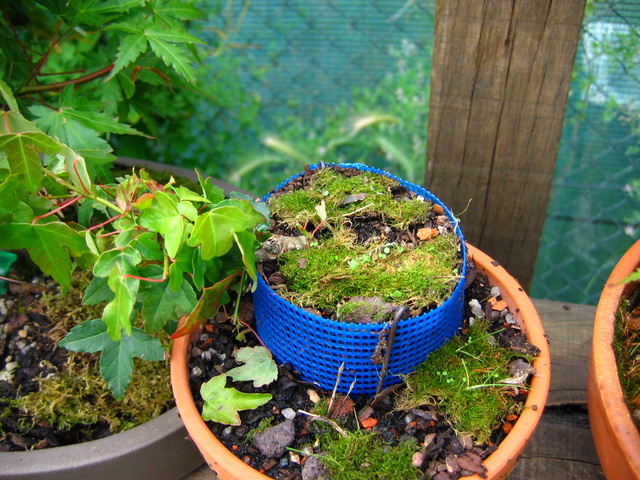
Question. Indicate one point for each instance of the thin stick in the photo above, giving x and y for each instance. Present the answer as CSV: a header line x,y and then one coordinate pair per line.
x,y
320,418
335,387
402,312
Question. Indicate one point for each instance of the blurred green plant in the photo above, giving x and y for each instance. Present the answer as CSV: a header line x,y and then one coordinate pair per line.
x,y
383,126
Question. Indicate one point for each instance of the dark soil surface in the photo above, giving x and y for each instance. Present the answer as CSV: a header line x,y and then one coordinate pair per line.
x,y
444,455
211,355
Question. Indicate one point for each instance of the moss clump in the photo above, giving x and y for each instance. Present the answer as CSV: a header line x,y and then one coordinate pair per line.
x,y
80,396
463,379
420,277
366,456
367,243
627,349
335,190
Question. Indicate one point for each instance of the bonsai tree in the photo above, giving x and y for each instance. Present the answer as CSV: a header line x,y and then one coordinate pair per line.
x,y
158,250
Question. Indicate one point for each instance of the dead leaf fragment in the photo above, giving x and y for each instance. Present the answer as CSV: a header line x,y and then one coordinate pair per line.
x,y
354,197
437,209
427,233
497,305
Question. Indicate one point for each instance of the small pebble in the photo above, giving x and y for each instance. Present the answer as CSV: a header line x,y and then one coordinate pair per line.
x,y
227,431
307,450
418,458
23,333
495,291
206,355
476,308
313,395
289,413
294,457
196,371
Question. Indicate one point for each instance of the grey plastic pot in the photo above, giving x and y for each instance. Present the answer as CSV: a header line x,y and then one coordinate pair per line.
x,y
159,449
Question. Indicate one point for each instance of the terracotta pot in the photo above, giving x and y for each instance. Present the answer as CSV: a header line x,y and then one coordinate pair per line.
x,y
614,433
499,464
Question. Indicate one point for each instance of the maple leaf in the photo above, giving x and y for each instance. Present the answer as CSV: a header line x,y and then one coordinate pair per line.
x,y
48,244
21,141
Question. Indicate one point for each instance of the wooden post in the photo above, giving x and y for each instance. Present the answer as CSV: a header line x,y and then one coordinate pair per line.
x,y
499,87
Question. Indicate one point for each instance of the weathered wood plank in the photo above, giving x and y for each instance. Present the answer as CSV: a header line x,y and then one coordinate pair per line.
x,y
561,447
500,80
568,327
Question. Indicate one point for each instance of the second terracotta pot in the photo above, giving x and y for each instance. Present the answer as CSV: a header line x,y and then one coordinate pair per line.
x,y
615,435
499,464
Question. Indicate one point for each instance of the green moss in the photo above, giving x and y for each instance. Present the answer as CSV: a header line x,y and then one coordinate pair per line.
x,y
262,426
627,349
78,394
462,378
365,456
338,266
299,206
334,270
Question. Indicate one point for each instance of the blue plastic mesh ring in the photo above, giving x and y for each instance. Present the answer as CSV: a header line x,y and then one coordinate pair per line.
x,y
316,347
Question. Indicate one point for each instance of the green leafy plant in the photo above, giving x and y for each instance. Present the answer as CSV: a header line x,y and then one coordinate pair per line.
x,y
156,251
222,403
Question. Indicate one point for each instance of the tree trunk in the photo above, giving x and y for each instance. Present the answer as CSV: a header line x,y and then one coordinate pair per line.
x,y
499,88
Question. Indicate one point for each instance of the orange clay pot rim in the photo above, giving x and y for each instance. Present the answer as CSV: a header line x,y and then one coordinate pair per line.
x,y
604,362
507,452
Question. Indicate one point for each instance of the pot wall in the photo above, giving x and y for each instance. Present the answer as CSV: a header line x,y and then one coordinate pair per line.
x,y
499,464
615,435
158,449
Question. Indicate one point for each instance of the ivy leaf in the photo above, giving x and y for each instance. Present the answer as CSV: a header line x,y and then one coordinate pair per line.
x,y
12,206
127,257
21,141
207,306
259,366
77,169
116,362
222,404
161,215
117,313
48,245
214,229
89,336
212,192
97,291
247,243
162,304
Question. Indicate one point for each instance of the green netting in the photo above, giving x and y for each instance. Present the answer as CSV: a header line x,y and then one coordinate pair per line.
x,y
592,216
313,64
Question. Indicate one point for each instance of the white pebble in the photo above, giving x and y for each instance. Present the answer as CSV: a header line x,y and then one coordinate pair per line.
x,y
476,308
196,371
289,413
495,292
